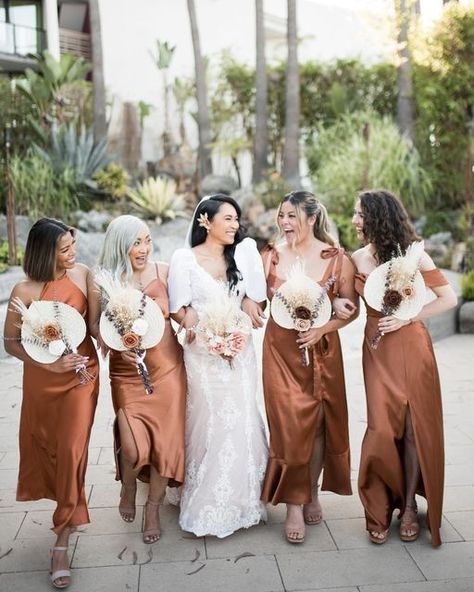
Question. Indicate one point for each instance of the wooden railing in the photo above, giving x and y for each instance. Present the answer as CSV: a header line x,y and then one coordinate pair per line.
x,y
79,44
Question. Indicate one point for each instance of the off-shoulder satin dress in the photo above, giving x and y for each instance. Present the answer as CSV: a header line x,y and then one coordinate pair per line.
x,y
156,420
401,374
55,425
296,395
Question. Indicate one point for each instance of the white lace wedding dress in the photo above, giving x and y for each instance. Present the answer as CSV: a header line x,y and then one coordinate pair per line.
x,y
226,448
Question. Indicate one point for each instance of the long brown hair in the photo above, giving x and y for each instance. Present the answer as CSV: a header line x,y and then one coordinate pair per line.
x,y
307,203
386,223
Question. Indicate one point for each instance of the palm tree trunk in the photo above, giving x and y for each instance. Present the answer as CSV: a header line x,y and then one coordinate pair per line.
x,y
204,128
291,158
100,123
260,148
404,77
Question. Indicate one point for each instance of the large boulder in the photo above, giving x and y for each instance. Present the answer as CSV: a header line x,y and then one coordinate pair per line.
x,y
218,184
466,317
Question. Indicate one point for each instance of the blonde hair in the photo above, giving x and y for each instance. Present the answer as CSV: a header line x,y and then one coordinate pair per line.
x,y
306,203
121,233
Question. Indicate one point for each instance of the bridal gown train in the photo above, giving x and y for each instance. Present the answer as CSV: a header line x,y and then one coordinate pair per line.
x,y
226,448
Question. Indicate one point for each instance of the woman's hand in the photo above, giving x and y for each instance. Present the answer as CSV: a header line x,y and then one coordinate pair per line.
x,y
67,363
254,311
189,322
129,356
344,308
390,324
309,338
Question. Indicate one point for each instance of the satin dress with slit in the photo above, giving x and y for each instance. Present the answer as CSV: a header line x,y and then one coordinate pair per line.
x,y
297,395
157,420
401,375
57,413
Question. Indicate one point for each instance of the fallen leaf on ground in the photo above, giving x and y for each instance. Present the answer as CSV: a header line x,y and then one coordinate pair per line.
x,y
135,558
6,553
196,570
242,555
150,557
198,554
120,555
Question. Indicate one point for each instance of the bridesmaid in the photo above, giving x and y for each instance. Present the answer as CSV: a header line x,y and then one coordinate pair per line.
x,y
57,410
306,405
149,429
402,451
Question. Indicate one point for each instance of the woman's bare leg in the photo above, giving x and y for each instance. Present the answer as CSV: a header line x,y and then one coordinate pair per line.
x,y
409,527
156,493
128,459
312,512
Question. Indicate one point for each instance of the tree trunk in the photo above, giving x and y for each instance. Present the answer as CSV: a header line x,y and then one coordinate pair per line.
x,y
100,123
291,170
404,78
204,128
260,148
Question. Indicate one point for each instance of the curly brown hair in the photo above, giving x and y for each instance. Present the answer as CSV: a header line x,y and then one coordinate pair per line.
x,y
386,223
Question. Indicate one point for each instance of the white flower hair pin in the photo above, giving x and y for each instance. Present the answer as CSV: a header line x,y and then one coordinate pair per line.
x,y
203,221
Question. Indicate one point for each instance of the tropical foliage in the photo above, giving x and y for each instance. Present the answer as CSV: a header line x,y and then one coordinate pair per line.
x,y
156,198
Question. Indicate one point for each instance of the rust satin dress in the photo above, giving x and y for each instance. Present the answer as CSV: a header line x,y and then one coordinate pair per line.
x,y
296,395
55,425
156,420
401,374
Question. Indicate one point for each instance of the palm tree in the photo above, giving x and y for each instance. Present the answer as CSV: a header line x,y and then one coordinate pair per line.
x,y
291,158
100,123
204,128
404,76
162,60
260,148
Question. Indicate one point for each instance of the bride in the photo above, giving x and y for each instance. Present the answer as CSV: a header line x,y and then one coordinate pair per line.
x,y
226,449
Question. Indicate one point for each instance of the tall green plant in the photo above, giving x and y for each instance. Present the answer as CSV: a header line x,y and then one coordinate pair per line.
x,y
344,159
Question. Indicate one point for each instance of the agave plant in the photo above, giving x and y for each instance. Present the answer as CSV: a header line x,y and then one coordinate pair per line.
x,y
68,149
156,198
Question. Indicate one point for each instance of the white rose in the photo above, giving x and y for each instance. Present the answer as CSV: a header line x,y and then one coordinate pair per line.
x,y
56,347
140,327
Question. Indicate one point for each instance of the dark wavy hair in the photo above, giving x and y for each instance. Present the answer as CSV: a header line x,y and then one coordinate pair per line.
x,y
386,223
40,251
210,207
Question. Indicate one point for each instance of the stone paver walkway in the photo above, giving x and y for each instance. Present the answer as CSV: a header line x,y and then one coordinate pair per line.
x,y
108,555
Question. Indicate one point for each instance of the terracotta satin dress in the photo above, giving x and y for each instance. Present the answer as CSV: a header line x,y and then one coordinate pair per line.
x,y
156,420
296,395
400,374
55,425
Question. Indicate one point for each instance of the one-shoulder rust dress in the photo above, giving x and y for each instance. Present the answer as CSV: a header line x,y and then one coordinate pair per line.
x,y
401,374
296,395
156,420
56,420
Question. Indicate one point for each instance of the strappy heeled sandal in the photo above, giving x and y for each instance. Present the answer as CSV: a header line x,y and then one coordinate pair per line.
x,y
409,523
59,573
378,537
151,535
308,515
127,513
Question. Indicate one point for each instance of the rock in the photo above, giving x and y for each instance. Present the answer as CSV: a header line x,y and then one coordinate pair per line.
x,y
458,256
91,221
437,251
88,247
466,317
23,225
218,184
168,237
265,228
443,238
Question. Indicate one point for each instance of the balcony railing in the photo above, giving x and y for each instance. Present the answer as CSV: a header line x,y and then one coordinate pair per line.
x,y
79,44
19,40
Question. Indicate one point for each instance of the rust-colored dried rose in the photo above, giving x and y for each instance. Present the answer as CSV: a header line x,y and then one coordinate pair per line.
x,y
302,325
408,292
51,333
131,340
301,312
392,299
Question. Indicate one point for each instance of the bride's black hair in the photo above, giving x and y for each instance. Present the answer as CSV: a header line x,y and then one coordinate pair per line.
x,y
210,207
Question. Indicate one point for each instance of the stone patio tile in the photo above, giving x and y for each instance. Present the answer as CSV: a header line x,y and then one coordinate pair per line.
x,y
354,567
93,455
8,502
10,460
249,574
108,495
100,475
27,554
267,539
95,551
103,579
456,455
452,560
458,498
334,506
461,585
10,523
106,456
460,474
8,478
108,521
463,522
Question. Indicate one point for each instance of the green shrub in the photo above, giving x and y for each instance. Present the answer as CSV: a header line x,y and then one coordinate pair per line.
x,y
113,180
467,285
156,198
20,254
342,162
272,190
347,234
451,221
